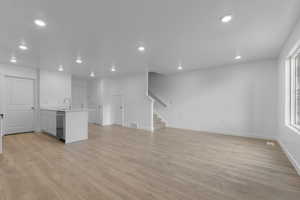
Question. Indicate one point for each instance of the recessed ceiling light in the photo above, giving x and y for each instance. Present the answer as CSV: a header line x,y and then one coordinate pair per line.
x,y
238,57
23,47
141,48
78,60
13,59
226,18
60,68
179,67
40,23
92,74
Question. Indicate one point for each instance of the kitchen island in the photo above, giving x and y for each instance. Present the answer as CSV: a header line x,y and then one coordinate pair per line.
x,y
67,125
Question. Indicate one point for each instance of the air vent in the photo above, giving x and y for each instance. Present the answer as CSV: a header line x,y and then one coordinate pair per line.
x,y
133,125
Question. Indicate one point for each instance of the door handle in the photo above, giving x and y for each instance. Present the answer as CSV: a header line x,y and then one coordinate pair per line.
x,y
32,108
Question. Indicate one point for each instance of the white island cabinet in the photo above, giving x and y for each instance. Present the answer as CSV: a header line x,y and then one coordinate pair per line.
x,y
76,125
67,125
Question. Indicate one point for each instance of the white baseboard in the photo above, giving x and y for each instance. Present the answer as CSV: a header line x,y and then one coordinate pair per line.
x,y
216,131
290,157
247,135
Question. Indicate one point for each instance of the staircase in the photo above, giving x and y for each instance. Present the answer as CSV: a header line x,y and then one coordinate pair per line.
x,y
158,122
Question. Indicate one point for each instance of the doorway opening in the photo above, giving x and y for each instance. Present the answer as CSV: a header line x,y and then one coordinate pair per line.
x,y
117,110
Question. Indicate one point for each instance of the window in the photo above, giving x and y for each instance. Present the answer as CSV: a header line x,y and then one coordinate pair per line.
x,y
293,90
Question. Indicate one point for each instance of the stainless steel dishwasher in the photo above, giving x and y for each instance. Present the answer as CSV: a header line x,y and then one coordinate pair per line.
x,y
60,125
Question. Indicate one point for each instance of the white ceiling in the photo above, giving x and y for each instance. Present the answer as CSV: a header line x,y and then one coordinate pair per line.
x,y
106,32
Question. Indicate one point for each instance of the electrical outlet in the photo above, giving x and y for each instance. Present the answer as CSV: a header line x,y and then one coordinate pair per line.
x,y
270,143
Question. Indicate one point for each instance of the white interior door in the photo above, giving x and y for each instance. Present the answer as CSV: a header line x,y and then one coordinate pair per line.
x,y
1,111
19,106
117,109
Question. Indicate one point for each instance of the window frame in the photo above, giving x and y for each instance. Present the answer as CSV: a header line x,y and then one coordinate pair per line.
x,y
292,63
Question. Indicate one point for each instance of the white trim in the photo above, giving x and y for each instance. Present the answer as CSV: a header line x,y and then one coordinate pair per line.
x,y
287,103
291,64
295,49
294,162
229,133
294,129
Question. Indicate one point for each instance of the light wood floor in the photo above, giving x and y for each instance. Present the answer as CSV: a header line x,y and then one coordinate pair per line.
x,y
120,163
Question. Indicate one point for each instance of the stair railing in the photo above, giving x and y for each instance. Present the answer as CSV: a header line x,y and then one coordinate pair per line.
x,y
157,99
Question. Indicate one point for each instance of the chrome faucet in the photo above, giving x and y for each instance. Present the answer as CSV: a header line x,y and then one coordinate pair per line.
x,y
68,103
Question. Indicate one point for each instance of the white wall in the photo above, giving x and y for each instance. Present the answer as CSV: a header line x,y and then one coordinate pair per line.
x,y
289,139
54,88
137,105
237,100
